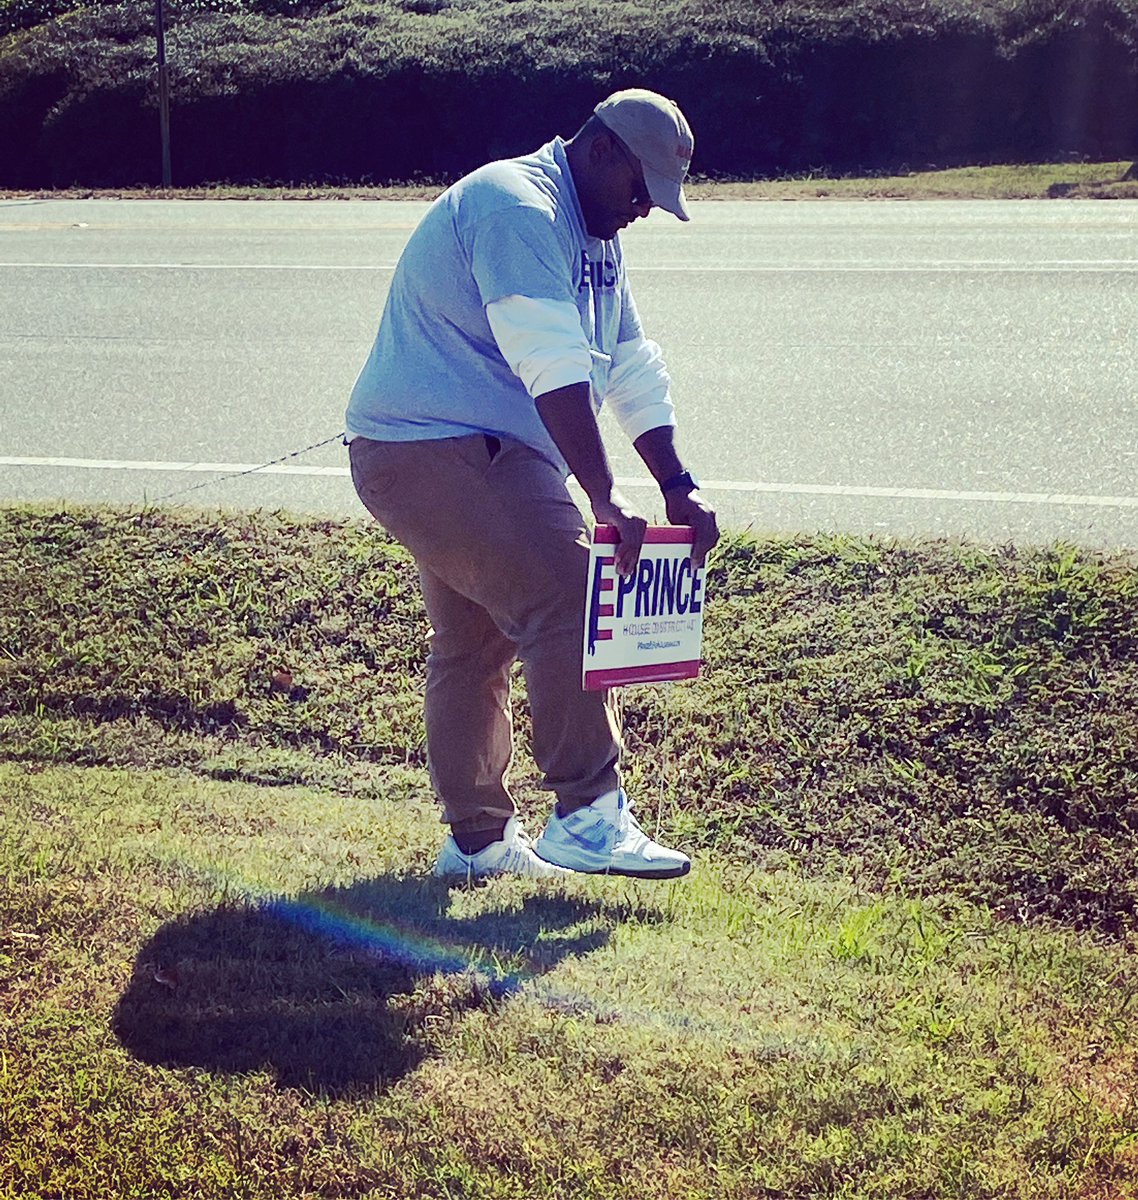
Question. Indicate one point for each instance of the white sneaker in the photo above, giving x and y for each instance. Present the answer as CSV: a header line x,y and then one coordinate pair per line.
x,y
604,838
513,855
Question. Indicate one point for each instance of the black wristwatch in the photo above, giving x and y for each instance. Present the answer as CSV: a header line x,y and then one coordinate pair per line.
x,y
682,479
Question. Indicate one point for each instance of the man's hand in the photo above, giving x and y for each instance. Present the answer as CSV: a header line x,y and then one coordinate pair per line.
x,y
656,448
690,508
629,525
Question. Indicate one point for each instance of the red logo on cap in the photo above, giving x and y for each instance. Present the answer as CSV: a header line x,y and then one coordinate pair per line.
x,y
683,154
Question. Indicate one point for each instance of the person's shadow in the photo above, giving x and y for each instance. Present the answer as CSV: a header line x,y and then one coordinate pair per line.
x,y
341,989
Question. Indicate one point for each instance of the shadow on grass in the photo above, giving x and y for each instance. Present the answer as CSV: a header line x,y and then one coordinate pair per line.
x,y
339,990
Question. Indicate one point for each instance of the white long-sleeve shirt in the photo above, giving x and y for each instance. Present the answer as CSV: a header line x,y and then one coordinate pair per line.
x,y
545,346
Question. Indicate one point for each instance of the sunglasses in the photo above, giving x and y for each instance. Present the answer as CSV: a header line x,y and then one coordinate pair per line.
x,y
640,195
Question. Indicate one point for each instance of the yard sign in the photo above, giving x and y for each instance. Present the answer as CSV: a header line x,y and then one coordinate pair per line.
x,y
647,627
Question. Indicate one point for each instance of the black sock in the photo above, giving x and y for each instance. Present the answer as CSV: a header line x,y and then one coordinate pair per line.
x,y
471,843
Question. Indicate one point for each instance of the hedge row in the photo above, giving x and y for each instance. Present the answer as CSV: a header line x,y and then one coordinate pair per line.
x,y
358,91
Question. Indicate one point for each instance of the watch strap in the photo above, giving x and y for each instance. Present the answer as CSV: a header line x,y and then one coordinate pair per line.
x,y
682,479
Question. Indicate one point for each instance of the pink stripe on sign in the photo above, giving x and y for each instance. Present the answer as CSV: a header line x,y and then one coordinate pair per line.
x,y
661,673
606,535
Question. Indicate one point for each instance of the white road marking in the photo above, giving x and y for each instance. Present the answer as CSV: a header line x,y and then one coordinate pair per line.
x,y
710,485
903,493
1059,266
133,464
162,266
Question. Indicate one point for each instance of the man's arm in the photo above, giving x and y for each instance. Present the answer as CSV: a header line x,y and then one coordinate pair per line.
x,y
682,505
568,415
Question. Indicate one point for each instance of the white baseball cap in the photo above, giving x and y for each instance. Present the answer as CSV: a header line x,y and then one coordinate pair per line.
x,y
655,130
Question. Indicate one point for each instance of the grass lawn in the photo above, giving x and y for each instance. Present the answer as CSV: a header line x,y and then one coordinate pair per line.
x,y
904,964
1033,181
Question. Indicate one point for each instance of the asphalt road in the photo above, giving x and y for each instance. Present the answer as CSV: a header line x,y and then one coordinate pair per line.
x,y
945,369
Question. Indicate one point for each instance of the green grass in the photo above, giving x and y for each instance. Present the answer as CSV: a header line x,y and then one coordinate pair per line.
x,y
944,716
1013,181
904,964
334,1024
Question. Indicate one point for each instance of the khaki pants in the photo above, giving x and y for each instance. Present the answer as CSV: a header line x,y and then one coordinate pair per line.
x,y
503,559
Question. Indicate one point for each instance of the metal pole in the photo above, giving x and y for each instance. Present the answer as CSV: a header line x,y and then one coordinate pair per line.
x,y
163,93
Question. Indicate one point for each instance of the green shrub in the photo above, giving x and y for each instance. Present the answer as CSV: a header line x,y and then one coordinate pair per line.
x,y
379,91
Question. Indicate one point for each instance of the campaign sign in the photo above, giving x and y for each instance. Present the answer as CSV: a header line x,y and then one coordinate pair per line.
x,y
648,626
